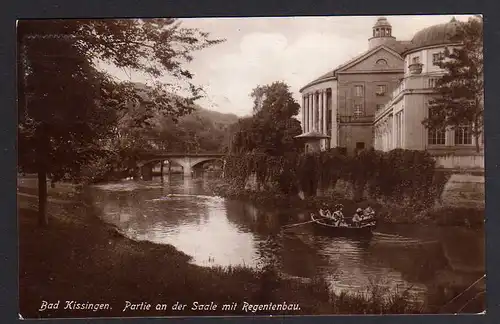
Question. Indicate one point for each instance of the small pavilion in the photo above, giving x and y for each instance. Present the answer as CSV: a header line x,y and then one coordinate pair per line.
x,y
312,141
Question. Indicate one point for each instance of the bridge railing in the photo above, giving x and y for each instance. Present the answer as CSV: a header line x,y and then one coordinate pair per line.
x,y
169,153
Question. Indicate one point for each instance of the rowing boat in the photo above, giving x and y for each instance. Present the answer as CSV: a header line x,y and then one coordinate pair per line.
x,y
326,225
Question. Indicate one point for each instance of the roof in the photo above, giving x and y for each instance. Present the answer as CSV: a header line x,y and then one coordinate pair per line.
x,y
382,22
400,46
312,134
435,35
333,73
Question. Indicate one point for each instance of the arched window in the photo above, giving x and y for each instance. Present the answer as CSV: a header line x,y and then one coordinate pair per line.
x,y
463,135
435,136
381,62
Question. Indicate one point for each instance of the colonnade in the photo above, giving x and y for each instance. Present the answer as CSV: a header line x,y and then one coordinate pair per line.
x,y
314,111
384,134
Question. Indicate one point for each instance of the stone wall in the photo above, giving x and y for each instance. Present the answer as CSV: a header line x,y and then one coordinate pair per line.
x,y
460,161
461,190
464,190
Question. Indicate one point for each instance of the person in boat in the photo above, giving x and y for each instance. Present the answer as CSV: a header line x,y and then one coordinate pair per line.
x,y
368,213
358,217
324,211
338,216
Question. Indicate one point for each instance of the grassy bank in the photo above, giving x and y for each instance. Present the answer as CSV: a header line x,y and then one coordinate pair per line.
x,y
387,212
80,258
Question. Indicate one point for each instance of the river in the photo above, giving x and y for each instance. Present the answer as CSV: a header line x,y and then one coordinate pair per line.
x,y
433,263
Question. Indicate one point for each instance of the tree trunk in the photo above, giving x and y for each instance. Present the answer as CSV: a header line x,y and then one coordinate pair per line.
x,y
477,131
161,170
43,219
41,156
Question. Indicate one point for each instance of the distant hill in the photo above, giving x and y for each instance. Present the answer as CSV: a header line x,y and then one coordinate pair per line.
x,y
217,118
202,130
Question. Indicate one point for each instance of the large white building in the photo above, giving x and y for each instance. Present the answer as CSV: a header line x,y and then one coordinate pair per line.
x,y
380,98
342,103
399,123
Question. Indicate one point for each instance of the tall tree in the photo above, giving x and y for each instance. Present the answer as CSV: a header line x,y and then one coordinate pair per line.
x,y
272,128
459,99
67,105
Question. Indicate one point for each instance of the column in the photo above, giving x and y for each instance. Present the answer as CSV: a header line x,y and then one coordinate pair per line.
x,y
325,108
449,137
306,111
314,112
394,133
403,129
320,111
303,113
335,131
310,113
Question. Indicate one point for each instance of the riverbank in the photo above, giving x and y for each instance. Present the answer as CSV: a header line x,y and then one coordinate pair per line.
x,y
79,258
389,213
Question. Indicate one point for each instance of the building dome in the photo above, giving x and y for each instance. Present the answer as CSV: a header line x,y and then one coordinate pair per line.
x,y
435,35
382,22
382,34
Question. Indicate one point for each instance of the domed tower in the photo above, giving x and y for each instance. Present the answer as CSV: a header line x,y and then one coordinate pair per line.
x,y
382,34
440,34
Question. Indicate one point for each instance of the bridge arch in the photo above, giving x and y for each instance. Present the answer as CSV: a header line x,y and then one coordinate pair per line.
x,y
187,161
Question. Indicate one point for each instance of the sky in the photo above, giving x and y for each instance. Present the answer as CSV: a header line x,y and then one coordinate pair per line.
x,y
296,50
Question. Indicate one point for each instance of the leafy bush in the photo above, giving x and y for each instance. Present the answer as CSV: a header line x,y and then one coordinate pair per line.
x,y
397,175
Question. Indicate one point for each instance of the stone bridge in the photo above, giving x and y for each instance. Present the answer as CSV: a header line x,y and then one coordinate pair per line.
x,y
188,161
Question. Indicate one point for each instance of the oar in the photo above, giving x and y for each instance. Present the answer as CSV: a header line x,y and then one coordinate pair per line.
x,y
292,225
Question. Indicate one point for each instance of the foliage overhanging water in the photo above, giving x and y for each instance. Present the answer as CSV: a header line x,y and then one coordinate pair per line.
x,y
434,263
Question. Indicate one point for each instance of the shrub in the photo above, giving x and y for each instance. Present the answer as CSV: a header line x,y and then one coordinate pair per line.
x,y
397,175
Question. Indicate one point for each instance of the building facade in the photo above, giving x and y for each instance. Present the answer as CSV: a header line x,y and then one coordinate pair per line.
x,y
399,123
342,103
380,98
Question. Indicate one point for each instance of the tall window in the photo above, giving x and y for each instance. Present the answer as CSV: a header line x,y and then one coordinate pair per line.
x,y
381,89
437,136
379,106
437,57
463,135
432,82
358,110
358,91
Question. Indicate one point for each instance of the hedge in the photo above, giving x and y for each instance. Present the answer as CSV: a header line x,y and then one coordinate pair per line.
x,y
394,175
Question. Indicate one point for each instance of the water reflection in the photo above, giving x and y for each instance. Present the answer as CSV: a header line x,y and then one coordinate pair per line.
x,y
214,231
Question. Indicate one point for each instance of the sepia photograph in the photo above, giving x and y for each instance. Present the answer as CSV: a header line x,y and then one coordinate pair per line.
x,y
251,166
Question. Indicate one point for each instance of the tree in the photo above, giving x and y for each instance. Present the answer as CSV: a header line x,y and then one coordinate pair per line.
x,y
68,107
459,99
272,128
200,131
